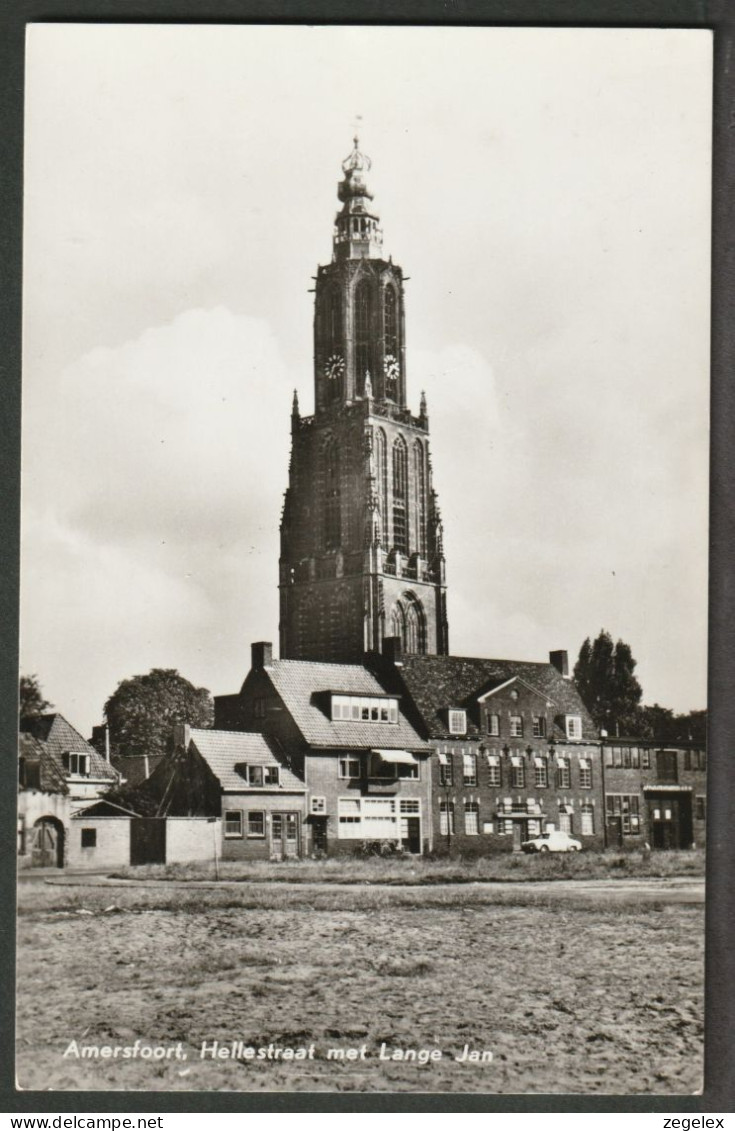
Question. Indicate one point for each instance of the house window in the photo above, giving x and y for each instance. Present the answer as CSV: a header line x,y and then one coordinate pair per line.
x,y
379,767
700,808
539,726
574,726
516,726
349,767
318,805
493,725
626,807
505,826
233,822
566,822
540,773
534,827
255,775
645,759
446,818
446,769
487,827
271,775
517,774
493,771
585,773
563,774
471,818
89,838
635,758
469,769
256,824
457,722
588,819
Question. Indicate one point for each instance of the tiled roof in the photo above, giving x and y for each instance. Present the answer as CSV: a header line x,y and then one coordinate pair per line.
x,y
436,683
52,778
222,750
61,737
304,685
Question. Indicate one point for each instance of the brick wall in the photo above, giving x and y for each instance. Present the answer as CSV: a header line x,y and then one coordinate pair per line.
x,y
248,847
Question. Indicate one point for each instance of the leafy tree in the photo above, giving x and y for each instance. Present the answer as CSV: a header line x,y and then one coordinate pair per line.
x,y
604,675
142,711
662,724
32,701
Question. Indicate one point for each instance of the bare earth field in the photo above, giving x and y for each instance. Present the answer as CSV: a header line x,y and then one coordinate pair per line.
x,y
570,995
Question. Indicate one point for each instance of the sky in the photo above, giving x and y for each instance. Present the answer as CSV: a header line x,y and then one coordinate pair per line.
x,y
547,191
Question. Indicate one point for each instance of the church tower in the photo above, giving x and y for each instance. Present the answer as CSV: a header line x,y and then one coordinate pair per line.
x,y
361,534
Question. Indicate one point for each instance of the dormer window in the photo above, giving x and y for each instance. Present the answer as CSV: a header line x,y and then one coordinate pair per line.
x,y
364,709
457,721
76,764
259,776
574,726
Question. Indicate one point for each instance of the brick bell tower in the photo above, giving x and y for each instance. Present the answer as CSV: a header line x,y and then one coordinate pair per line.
x,y
361,534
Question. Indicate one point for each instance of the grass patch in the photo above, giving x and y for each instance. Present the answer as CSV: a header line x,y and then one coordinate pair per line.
x,y
422,870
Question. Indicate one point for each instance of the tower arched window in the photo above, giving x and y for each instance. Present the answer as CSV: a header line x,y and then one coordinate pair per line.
x,y
419,479
390,338
332,507
400,495
398,623
363,324
415,620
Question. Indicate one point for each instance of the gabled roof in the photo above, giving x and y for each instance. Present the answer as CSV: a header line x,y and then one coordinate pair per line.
x,y
51,776
222,750
436,683
60,738
305,685
132,767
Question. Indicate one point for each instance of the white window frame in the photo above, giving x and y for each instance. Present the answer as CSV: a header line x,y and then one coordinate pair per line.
x,y
457,720
228,814
538,726
256,835
364,709
493,725
256,775
472,809
469,769
342,767
446,818
269,772
516,726
587,819
318,805
573,726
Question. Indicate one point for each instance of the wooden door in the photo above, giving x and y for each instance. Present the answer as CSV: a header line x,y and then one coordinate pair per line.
x,y
284,836
47,850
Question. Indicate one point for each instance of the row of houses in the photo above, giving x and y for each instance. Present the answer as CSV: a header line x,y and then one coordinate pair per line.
x,y
415,753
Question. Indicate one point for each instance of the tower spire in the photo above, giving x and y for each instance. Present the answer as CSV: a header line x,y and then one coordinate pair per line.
x,y
356,234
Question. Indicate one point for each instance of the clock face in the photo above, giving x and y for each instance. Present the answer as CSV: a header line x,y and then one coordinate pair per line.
x,y
391,368
334,367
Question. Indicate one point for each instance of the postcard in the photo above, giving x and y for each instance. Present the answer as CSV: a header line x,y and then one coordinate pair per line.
x,y
364,579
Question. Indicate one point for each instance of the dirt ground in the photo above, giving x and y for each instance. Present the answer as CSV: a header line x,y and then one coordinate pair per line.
x,y
567,998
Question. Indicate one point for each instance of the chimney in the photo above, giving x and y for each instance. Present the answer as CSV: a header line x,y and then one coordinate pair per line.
x,y
182,736
560,660
261,655
392,649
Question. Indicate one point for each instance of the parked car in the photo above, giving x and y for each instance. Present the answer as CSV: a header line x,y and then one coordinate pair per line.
x,y
556,841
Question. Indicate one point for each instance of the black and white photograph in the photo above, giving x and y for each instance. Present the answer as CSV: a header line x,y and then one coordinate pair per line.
x,y
365,481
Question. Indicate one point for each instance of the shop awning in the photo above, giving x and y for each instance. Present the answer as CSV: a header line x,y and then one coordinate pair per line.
x,y
515,761
403,757
566,809
443,760
561,763
493,760
584,763
540,762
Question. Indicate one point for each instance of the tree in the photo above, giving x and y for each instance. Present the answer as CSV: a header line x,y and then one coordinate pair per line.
x,y
142,711
604,675
32,702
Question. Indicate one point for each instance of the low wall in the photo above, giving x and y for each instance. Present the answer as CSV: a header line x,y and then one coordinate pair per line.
x,y
111,848
191,840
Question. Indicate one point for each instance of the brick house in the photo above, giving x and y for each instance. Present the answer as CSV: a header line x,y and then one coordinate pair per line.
x,y
87,773
655,794
364,767
515,751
